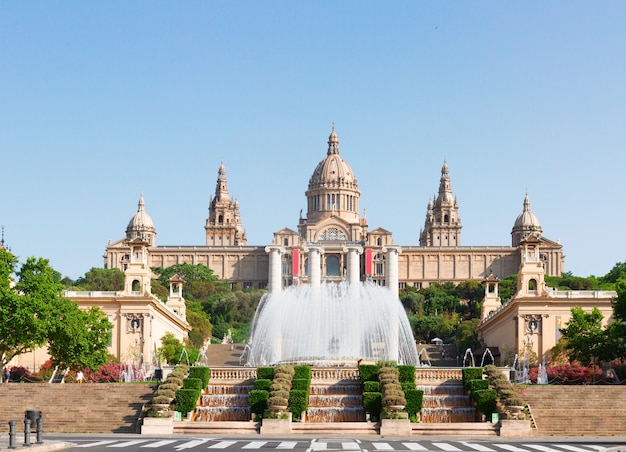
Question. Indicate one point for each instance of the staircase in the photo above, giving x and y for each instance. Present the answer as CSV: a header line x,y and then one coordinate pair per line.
x,y
576,410
74,408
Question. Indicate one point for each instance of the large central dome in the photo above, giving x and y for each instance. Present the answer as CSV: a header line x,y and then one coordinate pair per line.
x,y
333,171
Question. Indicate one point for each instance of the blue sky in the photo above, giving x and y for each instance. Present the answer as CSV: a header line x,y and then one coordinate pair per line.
x,y
103,101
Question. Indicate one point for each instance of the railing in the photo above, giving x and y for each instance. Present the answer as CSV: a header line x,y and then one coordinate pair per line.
x,y
233,373
330,374
431,374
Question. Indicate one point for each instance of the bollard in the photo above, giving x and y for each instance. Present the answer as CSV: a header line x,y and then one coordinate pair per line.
x,y
26,432
39,430
12,435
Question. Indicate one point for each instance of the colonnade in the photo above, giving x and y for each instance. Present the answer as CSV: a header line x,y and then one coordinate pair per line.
x,y
353,271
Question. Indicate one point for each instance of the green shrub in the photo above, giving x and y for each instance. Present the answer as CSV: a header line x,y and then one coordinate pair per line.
x,y
477,385
192,383
407,373
265,373
471,373
371,386
258,401
414,401
186,400
301,384
298,401
275,401
373,403
171,386
166,393
161,400
368,372
302,372
285,369
174,380
201,372
262,384
486,401
408,385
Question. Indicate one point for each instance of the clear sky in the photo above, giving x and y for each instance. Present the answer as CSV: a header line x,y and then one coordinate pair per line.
x,y
103,101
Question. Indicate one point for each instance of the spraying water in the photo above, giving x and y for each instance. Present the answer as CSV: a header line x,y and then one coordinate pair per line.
x,y
332,324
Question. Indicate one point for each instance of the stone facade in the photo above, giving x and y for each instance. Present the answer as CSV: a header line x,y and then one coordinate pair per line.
x,y
333,221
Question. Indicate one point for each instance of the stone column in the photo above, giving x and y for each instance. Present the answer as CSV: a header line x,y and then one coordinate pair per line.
x,y
315,271
275,280
391,270
354,274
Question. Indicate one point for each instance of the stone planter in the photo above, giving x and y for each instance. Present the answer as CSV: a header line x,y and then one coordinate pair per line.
x,y
276,426
395,427
511,427
157,426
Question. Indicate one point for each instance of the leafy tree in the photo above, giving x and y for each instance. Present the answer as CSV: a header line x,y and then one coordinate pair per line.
x,y
466,336
201,328
79,339
33,312
173,351
617,272
584,336
105,279
472,291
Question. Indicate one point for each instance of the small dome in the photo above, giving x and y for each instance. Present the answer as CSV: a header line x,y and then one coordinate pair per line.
x,y
141,225
527,219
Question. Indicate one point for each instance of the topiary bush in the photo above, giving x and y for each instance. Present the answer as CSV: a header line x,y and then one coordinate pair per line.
x,y
406,374
302,372
471,373
258,401
301,384
372,403
265,373
486,401
368,372
414,401
262,384
201,372
476,385
298,402
186,400
192,383
371,386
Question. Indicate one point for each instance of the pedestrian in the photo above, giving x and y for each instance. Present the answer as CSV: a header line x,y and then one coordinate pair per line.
x,y
7,375
79,377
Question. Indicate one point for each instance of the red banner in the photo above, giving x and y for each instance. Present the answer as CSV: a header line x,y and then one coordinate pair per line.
x,y
295,263
368,261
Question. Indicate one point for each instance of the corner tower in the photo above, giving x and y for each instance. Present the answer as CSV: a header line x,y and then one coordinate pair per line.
x,y
443,225
223,226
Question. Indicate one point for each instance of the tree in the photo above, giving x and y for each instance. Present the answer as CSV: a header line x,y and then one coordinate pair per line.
x,y
79,339
32,311
104,279
584,336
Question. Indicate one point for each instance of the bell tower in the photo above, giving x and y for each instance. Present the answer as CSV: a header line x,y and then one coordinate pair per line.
x,y
443,225
223,226
137,275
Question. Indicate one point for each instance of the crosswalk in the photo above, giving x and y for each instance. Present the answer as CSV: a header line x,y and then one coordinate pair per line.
x,y
329,445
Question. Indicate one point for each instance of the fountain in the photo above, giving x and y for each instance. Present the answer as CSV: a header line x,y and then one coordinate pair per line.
x,y
470,359
330,325
487,352
424,362
542,374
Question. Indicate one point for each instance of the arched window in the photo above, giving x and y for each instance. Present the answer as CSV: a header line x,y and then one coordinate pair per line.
x,y
286,241
379,241
332,266
136,286
220,219
446,219
532,286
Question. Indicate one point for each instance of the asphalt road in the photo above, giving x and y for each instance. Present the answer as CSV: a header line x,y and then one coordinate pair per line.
x,y
140,443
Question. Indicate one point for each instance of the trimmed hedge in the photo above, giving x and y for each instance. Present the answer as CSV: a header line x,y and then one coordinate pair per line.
x,y
186,400
262,384
302,372
407,385
407,373
373,403
471,373
371,386
192,383
368,372
258,401
301,384
298,401
201,372
486,401
477,385
414,400
265,373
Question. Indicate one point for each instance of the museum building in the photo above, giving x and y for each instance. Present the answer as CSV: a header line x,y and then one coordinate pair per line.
x,y
334,228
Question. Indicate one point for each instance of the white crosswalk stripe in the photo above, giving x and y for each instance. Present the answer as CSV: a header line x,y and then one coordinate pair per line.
x,y
97,444
158,444
542,448
350,445
222,445
414,446
254,445
128,443
446,446
382,446
478,447
287,445
191,444
511,447
318,446
572,448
